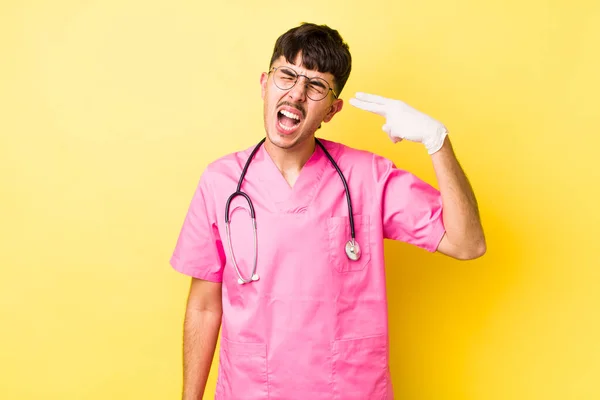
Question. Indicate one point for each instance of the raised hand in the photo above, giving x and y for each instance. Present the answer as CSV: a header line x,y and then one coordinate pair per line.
x,y
402,121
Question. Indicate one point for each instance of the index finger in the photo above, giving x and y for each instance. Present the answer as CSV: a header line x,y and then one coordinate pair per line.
x,y
371,98
364,105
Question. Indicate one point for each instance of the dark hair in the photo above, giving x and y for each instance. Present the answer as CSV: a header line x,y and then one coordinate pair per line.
x,y
323,49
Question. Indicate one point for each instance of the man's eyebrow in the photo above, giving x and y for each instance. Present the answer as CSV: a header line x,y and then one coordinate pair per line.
x,y
317,82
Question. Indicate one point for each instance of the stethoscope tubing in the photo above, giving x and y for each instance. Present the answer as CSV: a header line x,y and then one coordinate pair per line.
x,y
350,213
239,192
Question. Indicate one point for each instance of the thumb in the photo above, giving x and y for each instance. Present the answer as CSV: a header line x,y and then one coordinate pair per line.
x,y
388,129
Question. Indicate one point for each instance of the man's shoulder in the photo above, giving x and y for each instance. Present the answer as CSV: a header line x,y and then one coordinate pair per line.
x,y
361,163
349,154
226,167
232,161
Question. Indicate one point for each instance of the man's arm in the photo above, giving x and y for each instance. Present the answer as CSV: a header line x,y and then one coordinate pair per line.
x,y
464,238
200,333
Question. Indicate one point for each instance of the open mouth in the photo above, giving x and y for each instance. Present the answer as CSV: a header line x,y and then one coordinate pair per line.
x,y
287,120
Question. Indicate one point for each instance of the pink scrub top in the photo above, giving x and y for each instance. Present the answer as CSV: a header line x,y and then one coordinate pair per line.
x,y
314,326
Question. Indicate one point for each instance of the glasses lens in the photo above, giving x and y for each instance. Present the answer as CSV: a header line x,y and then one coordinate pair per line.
x,y
285,78
317,89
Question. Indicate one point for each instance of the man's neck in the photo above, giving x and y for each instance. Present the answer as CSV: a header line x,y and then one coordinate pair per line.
x,y
290,161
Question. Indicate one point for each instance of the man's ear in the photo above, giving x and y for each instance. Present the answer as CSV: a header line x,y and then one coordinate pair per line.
x,y
263,84
335,108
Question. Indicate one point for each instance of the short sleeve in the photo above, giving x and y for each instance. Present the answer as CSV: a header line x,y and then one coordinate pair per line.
x,y
411,208
199,250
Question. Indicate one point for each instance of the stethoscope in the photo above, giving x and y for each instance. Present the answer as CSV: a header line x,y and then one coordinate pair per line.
x,y
352,248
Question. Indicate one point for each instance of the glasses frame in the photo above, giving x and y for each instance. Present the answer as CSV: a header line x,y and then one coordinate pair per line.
x,y
308,79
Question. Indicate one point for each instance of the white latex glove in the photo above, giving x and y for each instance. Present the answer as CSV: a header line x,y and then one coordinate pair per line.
x,y
402,121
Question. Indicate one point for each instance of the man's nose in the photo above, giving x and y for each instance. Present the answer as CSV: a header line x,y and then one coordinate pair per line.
x,y
298,91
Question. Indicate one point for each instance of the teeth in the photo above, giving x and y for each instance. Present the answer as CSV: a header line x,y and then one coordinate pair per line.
x,y
290,115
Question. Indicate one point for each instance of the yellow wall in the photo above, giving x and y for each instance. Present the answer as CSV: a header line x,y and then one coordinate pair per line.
x,y
110,110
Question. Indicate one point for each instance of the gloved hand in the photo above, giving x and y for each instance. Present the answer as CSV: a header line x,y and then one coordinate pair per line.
x,y
402,121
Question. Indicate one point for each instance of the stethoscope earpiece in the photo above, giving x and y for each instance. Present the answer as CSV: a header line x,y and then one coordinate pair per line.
x,y
255,277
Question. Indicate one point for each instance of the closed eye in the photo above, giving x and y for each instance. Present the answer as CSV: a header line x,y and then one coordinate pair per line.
x,y
317,84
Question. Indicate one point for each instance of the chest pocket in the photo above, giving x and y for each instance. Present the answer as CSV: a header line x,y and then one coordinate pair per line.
x,y
339,234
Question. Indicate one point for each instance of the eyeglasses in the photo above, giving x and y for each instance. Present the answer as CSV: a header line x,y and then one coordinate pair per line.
x,y
317,88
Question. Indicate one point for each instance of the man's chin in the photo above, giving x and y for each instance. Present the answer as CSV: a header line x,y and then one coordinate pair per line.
x,y
283,141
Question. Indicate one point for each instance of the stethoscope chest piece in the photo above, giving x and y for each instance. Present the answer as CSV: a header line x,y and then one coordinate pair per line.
x,y
353,250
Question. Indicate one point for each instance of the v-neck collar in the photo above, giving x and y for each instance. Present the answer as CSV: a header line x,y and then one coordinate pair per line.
x,y
294,199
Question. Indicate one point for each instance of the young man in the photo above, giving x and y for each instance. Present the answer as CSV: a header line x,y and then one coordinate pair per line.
x,y
292,265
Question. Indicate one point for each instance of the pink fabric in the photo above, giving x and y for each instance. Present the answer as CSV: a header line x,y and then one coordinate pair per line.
x,y
315,325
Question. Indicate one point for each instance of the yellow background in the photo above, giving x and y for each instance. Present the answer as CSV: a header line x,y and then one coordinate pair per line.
x,y
110,110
